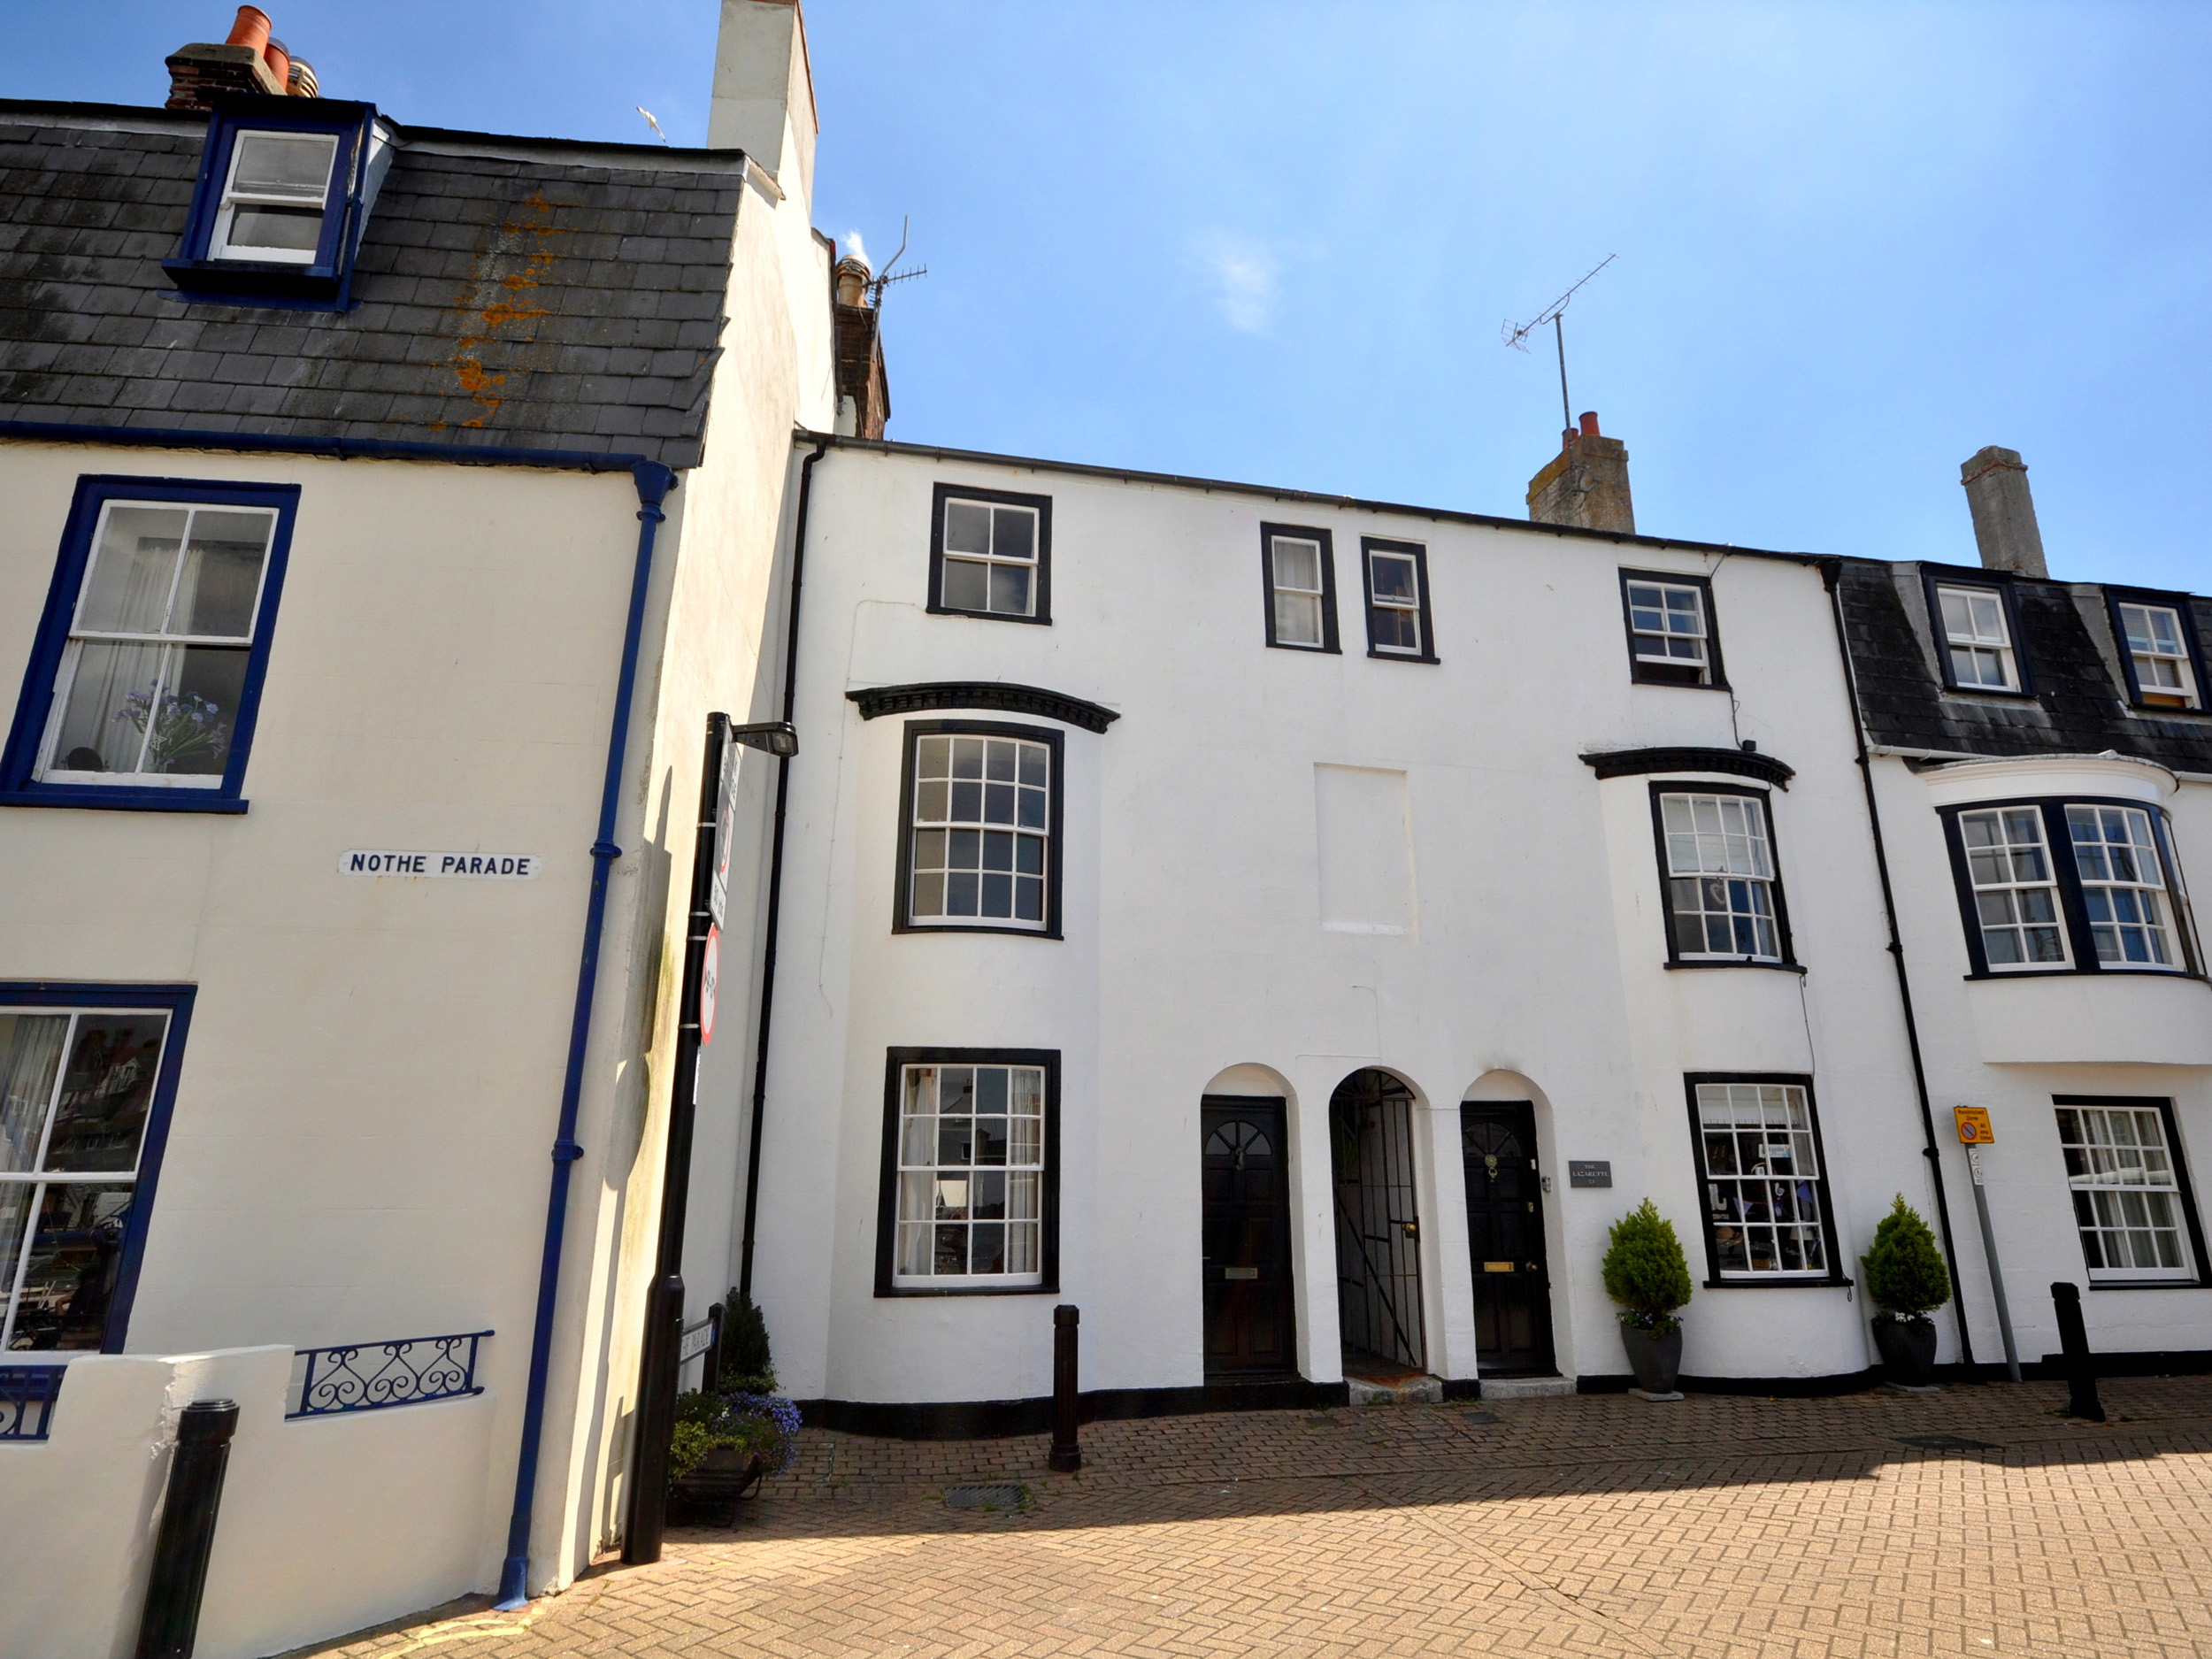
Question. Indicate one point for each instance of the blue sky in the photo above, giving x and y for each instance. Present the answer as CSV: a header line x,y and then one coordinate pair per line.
x,y
1276,241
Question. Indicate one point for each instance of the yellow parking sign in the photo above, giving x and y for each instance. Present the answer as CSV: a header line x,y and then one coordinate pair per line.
x,y
1974,1130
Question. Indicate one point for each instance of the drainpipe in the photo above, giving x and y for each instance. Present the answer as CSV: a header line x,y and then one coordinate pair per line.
x,y
654,481
775,873
1832,578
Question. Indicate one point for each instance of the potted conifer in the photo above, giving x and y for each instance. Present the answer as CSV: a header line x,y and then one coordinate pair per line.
x,y
1645,1271
1905,1280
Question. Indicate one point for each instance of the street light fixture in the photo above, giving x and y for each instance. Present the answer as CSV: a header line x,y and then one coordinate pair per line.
x,y
777,737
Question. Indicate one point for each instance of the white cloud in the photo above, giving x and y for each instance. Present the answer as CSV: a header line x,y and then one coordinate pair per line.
x,y
856,249
1243,273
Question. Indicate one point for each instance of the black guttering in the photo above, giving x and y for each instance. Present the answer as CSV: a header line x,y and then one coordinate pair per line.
x,y
1734,763
1832,578
982,694
775,867
1348,503
327,449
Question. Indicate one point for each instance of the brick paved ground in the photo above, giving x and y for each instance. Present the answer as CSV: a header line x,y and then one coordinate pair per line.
x,y
1600,1524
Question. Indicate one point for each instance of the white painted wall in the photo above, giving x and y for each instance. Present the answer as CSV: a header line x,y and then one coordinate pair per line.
x,y
325,1525
1196,876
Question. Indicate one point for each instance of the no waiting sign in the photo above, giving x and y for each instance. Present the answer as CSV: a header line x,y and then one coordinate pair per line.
x,y
709,971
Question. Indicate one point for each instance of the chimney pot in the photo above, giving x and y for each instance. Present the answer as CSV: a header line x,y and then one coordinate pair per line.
x,y
1996,483
301,83
279,62
1589,423
251,28
852,280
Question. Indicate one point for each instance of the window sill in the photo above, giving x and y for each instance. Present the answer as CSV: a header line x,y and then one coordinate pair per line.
x,y
1401,656
1677,685
986,615
1747,961
251,281
2160,712
126,800
1998,694
961,927
2080,973
1778,1282
890,1292
2148,1284
1305,650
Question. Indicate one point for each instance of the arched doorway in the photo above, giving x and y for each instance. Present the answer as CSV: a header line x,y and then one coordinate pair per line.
x,y
1505,1239
1378,1224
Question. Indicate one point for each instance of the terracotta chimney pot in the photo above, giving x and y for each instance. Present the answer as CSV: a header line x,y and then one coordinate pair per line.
x,y
251,28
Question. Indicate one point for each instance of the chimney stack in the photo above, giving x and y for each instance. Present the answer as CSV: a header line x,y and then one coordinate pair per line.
x,y
248,62
1585,484
1996,483
863,393
763,101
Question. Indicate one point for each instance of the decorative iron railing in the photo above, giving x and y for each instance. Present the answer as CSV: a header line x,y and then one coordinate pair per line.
x,y
369,1375
27,1394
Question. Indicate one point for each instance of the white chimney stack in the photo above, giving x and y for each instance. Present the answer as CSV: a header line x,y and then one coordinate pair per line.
x,y
764,92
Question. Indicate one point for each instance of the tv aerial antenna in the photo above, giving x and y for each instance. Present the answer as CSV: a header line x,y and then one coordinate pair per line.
x,y
1515,335
876,286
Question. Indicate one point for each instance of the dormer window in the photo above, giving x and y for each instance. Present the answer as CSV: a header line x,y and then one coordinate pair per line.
x,y
276,197
284,186
2163,667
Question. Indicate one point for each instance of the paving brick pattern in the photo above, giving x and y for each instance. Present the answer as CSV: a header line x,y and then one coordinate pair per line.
x,y
1600,1525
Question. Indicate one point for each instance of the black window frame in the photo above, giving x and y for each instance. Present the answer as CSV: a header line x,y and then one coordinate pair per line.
x,y
1837,1278
2178,604
2073,908
1660,787
1934,577
1369,546
2194,1224
1330,640
895,1062
19,784
1055,815
1041,505
1649,673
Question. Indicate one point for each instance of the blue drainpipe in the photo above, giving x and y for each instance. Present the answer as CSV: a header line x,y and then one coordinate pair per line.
x,y
653,483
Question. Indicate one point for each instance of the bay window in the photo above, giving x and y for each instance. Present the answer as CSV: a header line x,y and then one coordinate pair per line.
x,y
2132,1203
1720,886
979,834
1767,1217
970,1172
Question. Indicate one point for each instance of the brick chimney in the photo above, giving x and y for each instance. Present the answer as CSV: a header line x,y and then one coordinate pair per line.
x,y
1996,483
863,395
249,62
1585,484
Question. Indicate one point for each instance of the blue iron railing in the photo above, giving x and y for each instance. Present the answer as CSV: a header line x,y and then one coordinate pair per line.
x,y
27,1394
369,1375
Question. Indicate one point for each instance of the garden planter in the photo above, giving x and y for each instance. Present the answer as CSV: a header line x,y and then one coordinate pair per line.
x,y
1908,1351
1655,1359
708,1496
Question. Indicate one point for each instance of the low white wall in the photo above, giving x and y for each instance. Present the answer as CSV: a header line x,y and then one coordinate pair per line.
x,y
328,1524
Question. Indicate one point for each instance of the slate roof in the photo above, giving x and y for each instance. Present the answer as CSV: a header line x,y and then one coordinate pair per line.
x,y
513,292
2081,701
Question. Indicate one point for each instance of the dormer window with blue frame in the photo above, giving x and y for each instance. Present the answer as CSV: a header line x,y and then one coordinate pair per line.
x,y
284,189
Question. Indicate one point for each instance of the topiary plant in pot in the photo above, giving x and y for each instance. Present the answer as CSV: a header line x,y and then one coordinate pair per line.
x,y
1645,1271
1905,1279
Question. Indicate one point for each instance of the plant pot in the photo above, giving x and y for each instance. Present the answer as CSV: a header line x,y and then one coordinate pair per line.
x,y
1656,1359
708,1496
1908,1351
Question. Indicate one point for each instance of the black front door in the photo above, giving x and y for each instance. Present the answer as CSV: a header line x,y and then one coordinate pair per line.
x,y
1246,1237
1505,1236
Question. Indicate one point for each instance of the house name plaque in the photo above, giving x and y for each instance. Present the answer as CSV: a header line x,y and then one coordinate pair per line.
x,y
1589,1173
462,866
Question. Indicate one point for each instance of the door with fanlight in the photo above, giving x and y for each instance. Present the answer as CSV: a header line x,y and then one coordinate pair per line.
x,y
1246,1233
1505,1236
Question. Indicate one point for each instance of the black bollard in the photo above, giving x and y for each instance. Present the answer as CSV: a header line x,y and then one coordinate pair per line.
x,y
1067,1453
656,1423
171,1620
2073,1340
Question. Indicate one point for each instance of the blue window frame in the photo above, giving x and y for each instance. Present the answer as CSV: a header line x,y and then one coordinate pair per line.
x,y
282,194
145,678
87,1081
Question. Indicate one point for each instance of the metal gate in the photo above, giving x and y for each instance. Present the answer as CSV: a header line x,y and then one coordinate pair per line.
x,y
1378,1224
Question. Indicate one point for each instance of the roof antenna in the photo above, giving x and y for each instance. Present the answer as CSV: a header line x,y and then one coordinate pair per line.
x,y
650,122
876,287
1516,336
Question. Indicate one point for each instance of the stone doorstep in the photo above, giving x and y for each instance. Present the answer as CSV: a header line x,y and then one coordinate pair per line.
x,y
1526,1388
1413,1389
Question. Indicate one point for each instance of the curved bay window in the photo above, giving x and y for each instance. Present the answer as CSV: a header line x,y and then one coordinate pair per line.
x,y
1719,881
1766,1187
980,836
2063,887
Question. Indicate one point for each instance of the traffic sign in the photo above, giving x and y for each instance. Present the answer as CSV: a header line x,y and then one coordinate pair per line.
x,y
709,970
1973,1122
